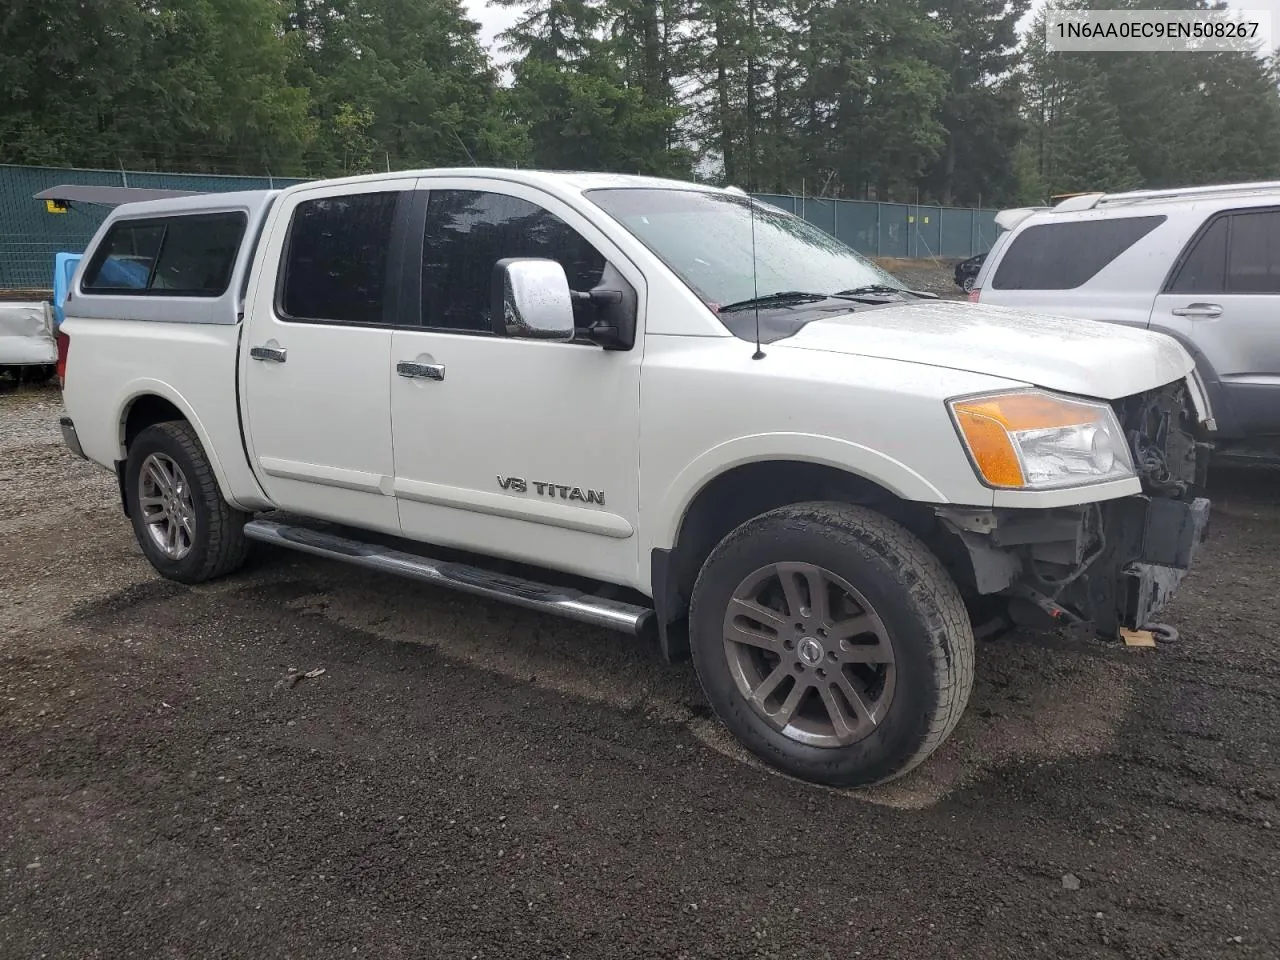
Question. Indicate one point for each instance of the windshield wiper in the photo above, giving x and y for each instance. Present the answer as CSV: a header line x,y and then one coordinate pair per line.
x,y
873,288
780,299
787,298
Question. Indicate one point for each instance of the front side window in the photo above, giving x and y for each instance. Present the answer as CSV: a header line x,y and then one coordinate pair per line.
x,y
707,240
1238,253
468,231
1254,262
186,256
335,262
1063,256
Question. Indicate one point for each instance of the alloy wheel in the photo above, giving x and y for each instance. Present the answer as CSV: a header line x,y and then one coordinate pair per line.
x,y
809,654
165,498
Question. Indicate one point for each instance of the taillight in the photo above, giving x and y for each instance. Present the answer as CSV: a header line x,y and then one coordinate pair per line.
x,y
973,294
64,348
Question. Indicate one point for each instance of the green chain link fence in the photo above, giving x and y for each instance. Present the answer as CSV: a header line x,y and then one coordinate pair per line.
x,y
30,235
897,229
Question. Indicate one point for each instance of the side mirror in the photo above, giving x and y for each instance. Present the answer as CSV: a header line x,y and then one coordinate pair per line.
x,y
531,300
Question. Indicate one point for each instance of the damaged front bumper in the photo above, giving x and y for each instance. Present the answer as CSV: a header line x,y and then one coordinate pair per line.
x,y
1172,532
1112,565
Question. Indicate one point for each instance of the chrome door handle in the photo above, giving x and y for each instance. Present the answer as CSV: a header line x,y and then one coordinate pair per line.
x,y
274,354
1205,311
420,371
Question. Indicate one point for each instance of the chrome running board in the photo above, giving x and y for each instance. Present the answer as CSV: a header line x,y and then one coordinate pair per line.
x,y
569,603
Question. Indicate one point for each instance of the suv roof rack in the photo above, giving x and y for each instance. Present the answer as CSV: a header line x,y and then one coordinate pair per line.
x,y
1090,201
1177,193
1079,201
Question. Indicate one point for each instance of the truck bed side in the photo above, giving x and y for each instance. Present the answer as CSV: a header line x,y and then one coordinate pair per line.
x,y
140,356
120,373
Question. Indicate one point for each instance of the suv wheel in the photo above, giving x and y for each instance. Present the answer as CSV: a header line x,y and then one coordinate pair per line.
x,y
832,643
184,526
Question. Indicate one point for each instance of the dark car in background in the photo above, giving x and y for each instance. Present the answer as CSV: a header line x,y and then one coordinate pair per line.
x,y
967,271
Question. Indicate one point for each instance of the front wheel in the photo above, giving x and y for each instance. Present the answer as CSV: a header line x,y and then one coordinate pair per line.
x,y
183,524
832,643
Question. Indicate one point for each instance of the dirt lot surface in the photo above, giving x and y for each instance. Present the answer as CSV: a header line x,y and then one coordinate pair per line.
x,y
934,276
468,780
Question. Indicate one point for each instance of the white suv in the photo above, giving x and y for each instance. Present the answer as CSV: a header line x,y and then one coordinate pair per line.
x,y
1200,264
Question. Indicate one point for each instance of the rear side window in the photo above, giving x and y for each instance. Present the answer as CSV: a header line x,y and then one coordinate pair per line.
x,y
1205,268
189,256
335,263
1062,256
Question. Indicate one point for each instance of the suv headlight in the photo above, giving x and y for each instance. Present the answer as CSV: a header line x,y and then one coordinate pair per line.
x,y
1031,439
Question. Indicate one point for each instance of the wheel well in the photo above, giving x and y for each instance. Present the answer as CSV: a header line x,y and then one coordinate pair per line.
x,y
737,495
147,411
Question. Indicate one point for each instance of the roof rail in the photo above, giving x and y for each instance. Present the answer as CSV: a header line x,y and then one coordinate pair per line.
x,y
1211,190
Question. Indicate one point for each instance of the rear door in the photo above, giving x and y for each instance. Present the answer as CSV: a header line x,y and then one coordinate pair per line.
x,y
1223,297
316,354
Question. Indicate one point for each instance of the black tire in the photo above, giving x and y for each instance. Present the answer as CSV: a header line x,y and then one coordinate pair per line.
x,y
920,613
34,375
217,543
967,284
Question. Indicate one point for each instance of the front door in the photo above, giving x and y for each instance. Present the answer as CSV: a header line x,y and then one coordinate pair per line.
x,y
1224,298
515,448
316,356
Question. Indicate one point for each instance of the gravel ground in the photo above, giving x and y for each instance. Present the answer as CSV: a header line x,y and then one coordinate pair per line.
x,y
467,780
935,276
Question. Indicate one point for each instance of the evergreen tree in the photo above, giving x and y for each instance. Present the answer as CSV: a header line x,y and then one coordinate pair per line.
x,y
1088,149
977,51
172,84
414,70
1099,121
572,96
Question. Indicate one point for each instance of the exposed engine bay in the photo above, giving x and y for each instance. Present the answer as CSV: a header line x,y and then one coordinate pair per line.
x,y
1110,564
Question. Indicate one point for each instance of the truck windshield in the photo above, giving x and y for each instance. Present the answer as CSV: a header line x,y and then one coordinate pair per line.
x,y
705,238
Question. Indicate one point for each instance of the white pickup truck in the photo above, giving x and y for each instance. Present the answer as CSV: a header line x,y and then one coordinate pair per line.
x,y
646,405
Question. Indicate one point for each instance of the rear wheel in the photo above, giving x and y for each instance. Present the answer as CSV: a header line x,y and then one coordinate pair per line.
x,y
183,524
832,643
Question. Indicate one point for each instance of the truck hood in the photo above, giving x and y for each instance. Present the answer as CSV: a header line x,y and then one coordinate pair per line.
x,y
1084,357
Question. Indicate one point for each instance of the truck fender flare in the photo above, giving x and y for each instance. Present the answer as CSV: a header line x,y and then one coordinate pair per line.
x,y
853,458
143,387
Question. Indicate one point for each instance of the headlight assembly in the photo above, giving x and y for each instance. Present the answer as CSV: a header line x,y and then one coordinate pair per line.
x,y
1034,440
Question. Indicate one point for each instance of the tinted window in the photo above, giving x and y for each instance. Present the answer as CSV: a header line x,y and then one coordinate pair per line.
x,y
1204,269
467,232
1061,256
175,256
335,266
1254,264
